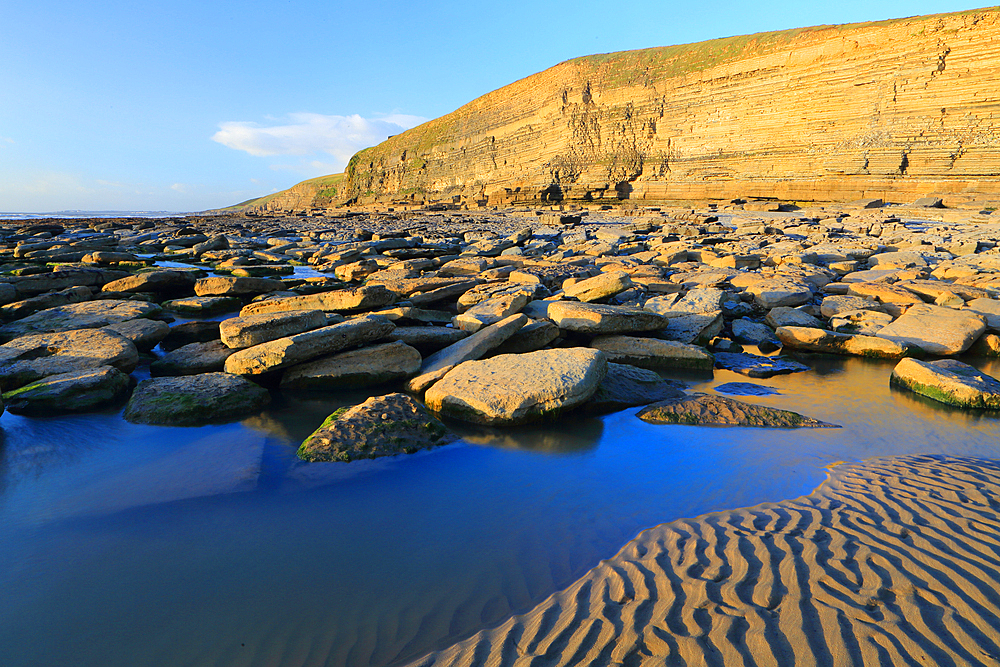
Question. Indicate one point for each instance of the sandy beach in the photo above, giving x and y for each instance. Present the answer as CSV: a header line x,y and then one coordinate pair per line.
x,y
890,561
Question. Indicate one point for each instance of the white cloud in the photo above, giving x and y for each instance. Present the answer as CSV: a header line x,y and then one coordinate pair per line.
x,y
179,187
307,134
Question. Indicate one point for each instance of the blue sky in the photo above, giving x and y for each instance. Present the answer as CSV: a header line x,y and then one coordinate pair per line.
x,y
191,105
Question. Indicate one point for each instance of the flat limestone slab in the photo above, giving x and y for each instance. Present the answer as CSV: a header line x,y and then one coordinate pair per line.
x,y
344,300
475,346
936,330
707,410
82,315
828,342
948,381
363,367
756,366
291,350
517,388
249,330
652,353
31,358
592,318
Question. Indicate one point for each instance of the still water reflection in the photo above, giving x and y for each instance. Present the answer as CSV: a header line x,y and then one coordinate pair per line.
x,y
136,545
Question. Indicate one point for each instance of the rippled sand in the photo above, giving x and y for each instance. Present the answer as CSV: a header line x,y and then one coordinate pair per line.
x,y
891,561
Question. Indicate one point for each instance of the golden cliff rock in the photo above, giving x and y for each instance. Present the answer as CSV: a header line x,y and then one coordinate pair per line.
x,y
895,110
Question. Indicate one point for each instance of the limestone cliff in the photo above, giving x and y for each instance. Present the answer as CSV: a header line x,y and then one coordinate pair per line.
x,y
894,109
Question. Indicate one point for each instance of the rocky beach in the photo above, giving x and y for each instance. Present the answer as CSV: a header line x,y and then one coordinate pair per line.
x,y
466,327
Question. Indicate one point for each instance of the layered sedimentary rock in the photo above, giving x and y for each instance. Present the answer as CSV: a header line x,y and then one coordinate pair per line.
x,y
894,110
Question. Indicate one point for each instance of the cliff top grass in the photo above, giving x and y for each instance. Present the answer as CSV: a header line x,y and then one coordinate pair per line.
x,y
322,184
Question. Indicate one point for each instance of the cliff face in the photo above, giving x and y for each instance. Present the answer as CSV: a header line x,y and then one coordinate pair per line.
x,y
895,109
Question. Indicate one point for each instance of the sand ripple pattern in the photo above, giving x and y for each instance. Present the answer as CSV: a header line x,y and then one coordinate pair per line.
x,y
893,561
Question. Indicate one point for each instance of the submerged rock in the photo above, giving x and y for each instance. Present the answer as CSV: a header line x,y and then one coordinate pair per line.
x,y
192,400
948,381
755,366
706,410
79,391
381,426
746,389
517,388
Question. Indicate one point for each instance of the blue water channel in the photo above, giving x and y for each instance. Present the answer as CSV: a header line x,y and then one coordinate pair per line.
x,y
129,546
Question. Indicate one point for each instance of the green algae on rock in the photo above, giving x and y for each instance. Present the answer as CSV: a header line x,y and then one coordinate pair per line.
x,y
706,410
194,400
948,381
381,426
80,391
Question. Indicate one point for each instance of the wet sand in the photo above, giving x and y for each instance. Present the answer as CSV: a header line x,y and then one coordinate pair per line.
x,y
890,561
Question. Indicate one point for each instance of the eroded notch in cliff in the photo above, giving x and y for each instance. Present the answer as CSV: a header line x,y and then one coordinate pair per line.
x,y
941,64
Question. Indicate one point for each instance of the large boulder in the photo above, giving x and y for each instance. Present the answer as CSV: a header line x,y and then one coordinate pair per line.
x,y
31,358
381,426
79,391
596,319
707,410
652,353
193,400
363,367
518,388
82,315
948,381
291,350
936,330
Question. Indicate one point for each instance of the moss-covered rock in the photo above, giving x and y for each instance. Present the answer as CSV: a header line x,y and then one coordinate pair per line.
x,y
948,381
194,400
381,426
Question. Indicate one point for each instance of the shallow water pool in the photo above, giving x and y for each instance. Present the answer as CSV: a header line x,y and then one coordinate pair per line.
x,y
138,545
